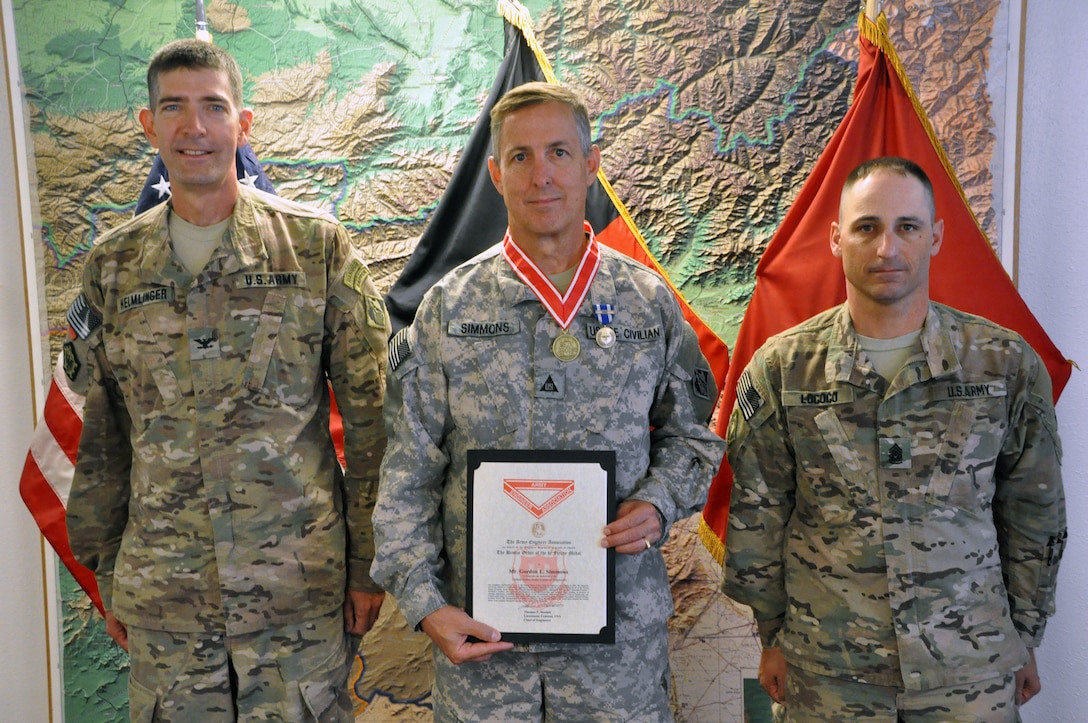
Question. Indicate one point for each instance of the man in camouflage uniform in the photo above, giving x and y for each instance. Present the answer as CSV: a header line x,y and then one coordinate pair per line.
x,y
231,550
482,367
897,515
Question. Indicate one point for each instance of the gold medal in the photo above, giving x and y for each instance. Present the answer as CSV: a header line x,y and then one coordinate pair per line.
x,y
606,337
566,348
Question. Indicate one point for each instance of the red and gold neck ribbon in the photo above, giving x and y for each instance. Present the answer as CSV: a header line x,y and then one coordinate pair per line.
x,y
562,308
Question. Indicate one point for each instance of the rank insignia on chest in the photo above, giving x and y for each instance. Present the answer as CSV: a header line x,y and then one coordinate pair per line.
x,y
549,384
894,453
203,344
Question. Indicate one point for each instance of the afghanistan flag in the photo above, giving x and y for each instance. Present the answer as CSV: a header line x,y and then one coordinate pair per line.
x,y
471,217
797,277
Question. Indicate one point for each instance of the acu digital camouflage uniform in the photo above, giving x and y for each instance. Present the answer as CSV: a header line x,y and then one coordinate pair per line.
x,y
207,496
475,371
904,534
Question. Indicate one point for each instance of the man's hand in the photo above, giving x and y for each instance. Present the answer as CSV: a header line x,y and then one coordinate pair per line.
x,y
772,674
637,526
361,611
117,630
450,628
1028,683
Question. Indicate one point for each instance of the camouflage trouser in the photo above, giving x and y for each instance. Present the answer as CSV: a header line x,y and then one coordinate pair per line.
x,y
291,673
628,681
811,698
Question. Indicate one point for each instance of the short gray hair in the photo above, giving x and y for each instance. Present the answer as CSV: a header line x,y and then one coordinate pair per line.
x,y
534,93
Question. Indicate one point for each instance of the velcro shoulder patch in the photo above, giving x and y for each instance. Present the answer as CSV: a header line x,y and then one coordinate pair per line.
x,y
82,318
700,383
375,312
355,275
400,349
749,398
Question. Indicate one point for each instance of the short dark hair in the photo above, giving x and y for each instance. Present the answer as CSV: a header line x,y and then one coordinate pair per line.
x,y
895,164
193,54
536,92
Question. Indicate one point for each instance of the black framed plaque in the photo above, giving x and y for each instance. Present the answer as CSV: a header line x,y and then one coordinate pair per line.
x,y
536,568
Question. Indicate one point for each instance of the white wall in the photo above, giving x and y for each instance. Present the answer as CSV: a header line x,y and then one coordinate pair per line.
x,y
24,679
1053,279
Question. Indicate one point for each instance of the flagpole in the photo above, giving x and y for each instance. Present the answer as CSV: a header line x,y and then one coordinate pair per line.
x,y
202,23
872,9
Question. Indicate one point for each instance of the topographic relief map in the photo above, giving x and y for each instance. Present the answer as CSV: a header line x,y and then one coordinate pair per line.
x,y
710,114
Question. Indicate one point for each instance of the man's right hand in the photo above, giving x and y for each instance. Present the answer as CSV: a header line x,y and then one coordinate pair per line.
x,y
450,628
772,673
117,630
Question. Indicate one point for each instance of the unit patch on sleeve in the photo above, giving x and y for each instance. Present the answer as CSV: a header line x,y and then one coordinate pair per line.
x,y
375,312
700,383
72,364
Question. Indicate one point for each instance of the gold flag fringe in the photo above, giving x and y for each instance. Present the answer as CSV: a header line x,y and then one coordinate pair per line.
x,y
711,541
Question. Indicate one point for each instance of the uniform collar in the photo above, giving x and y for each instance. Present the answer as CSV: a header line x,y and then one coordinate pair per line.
x,y
246,234
844,348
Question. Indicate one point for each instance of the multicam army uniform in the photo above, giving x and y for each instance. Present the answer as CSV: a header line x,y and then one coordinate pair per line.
x,y
207,496
475,371
906,534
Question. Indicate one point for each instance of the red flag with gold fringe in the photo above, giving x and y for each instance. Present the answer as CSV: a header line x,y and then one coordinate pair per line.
x,y
797,277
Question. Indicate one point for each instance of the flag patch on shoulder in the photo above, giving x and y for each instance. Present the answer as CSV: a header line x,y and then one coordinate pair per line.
x,y
82,318
400,349
748,397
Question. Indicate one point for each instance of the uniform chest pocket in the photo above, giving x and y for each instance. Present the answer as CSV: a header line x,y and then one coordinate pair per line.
x,y
837,481
142,368
285,355
965,462
486,371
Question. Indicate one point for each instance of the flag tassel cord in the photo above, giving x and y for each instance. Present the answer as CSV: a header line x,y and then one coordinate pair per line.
x,y
517,15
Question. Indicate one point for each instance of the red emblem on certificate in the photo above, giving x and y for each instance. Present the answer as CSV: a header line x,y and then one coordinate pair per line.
x,y
539,580
538,496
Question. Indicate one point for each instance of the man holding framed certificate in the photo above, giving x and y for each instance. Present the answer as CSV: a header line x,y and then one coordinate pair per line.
x,y
547,412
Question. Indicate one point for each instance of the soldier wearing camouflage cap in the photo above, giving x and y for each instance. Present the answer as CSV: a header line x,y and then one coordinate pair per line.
x,y
232,551
897,516
548,341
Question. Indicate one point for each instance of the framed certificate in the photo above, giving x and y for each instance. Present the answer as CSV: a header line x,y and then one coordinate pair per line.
x,y
536,568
